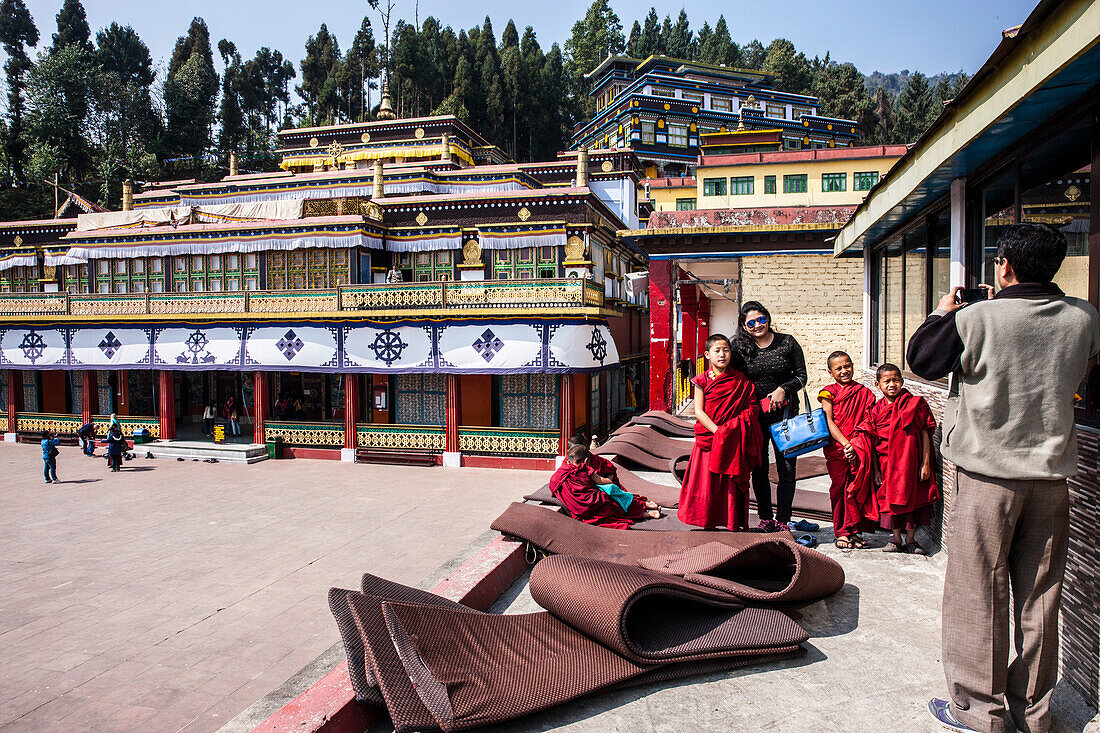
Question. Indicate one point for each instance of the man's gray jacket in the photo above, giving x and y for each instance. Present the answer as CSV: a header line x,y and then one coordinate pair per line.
x,y
1017,362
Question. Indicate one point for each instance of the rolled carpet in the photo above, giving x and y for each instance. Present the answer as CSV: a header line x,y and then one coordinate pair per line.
x,y
665,423
651,442
628,451
761,567
606,625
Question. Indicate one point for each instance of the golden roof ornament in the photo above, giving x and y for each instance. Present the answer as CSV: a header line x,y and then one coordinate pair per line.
x,y
335,151
1073,193
385,109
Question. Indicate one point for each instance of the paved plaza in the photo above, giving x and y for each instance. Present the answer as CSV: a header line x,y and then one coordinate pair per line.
x,y
173,595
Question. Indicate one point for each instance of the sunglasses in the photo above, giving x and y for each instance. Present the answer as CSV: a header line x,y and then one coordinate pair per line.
x,y
761,321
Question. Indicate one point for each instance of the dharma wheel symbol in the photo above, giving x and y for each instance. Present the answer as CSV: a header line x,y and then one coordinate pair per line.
x,y
387,347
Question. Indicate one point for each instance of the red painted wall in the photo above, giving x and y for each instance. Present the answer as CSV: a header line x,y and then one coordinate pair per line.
x,y
476,408
661,333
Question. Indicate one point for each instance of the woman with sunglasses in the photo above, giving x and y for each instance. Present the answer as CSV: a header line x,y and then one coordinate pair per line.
x,y
775,364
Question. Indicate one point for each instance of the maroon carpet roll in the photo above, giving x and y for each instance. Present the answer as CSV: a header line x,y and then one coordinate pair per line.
x,y
776,569
770,571
650,441
665,423
628,451
610,624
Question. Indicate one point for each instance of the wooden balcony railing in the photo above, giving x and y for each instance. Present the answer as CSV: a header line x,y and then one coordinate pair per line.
x,y
563,293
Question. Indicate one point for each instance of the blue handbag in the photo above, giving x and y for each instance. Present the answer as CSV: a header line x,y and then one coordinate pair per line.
x,y
801,434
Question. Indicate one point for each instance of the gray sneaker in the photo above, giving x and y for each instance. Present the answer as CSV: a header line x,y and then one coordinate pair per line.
x,y
941,711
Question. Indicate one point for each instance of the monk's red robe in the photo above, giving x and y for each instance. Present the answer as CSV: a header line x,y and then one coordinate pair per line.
x,y
896,428
603,467
715,489
574,488
850,491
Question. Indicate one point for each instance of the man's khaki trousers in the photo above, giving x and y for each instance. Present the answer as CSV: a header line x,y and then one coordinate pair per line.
x,y
1004,534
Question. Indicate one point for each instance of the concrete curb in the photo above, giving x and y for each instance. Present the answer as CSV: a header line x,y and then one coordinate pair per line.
x,y
329,705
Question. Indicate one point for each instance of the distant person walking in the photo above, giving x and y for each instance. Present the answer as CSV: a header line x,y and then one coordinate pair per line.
x,y
1017,361
208,415
775,364
49,456
86,434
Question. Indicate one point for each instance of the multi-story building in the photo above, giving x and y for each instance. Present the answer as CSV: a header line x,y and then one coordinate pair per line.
x,y
754,223
660,107
509,328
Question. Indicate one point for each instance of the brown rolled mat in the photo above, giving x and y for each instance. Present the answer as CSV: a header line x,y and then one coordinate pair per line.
x,y
363,680
630,452
678,429
771,571
775,572
608,624
651,442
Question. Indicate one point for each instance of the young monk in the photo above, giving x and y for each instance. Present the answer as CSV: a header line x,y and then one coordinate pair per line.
x,y
901,424
715,490
599,464
593,499
845,403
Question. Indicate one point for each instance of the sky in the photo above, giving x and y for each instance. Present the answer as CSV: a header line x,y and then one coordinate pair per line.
x,y
882,35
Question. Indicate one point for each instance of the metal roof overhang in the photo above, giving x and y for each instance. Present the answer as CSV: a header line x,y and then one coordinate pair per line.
x,y
919,179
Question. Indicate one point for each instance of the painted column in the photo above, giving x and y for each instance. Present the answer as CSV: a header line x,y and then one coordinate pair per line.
x,y
702,326
90,401
166,404
15,398
661,308
452,455
566,414
689,310
261,398
351,415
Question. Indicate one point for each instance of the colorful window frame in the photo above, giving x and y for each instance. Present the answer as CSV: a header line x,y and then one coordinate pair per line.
x,y
649,134
525,263
834,182
685,204
428,266
714,186
796,183
130,275
695,97
421,399
304,269
19,279
678,135
721,104
778,111
769,184
528,401
864,180
663,92
741,185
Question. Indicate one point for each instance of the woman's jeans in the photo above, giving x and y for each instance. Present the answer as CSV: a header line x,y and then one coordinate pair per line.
x,y
50,469
761,484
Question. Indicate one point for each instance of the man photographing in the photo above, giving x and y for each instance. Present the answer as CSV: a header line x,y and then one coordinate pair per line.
x,y
1016,360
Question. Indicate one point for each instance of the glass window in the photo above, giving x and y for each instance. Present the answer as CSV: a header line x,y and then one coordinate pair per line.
x,y
714,186
528,401
864,181
892,304
995,208
678,135
777,110
421,399
833,182
685,204
1054,189
721,104
769,184
790,144
941,257
795,183
692,97
741,185
662,92
916,283
647,133
797,112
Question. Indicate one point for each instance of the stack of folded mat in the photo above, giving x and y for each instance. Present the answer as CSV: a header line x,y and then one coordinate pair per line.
x,y
622,609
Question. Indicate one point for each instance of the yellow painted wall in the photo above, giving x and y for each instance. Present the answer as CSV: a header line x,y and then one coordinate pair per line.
x,y
664,199
813,169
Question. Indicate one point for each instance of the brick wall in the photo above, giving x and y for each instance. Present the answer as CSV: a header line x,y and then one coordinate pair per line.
x,y
815,298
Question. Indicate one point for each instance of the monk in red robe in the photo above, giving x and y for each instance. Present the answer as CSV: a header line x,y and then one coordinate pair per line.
x,y
599,464
901,424
848,458
593,499
728,441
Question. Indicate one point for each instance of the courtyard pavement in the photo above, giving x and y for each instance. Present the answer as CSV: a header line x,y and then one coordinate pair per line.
x,y
173,595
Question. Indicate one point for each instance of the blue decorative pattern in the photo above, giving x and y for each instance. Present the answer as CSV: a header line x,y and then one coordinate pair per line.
x,y
110,344
598,346
387,346
33,346
488,345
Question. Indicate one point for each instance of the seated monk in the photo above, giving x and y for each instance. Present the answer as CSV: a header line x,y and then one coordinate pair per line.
x,y
599,464
593,499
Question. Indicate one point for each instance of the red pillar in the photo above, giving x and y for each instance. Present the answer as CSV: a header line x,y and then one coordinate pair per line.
x,y
15,397
351,411
451,441
166,404
90,398
567,424
689,315
661,332
702,326
261,398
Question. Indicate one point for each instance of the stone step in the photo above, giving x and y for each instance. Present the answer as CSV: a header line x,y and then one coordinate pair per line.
x,y
189,449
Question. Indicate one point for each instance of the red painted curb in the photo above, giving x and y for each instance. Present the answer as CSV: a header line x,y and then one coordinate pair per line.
x,y
329,705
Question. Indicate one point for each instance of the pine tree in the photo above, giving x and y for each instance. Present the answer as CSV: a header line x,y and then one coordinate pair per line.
x,y
843,94
790,67
72,27
703,40
664,36
885,119
650,41
58,90
633,43
318,68
680,44
232,133
598,35
17,30
914,109
362,62
754,54
190,93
